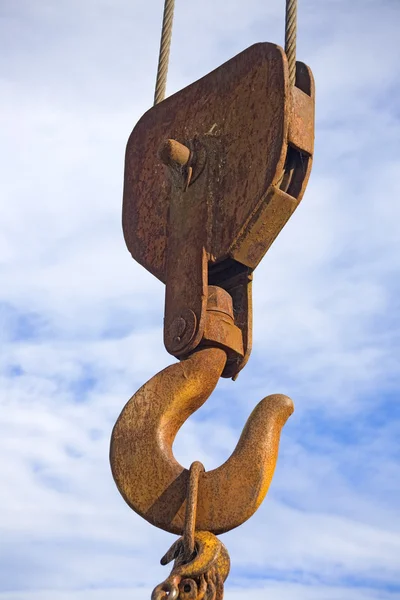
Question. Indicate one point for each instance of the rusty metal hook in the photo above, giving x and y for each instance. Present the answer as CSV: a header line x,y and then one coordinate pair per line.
x,y
149,477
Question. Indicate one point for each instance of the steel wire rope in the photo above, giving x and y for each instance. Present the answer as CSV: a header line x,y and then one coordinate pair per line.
x,y
166,36
165,45
290,38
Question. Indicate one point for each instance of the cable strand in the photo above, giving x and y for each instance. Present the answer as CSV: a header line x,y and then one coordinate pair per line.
x,y
165,45
290,38
166,36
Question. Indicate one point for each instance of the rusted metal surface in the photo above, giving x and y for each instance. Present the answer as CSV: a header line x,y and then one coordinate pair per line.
x,y
301,125
238,283
220,329
283,197
149,478
212,175
191,510
201,578
238,147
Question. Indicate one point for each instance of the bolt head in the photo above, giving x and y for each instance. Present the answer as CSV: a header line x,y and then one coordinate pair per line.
x,y
178,328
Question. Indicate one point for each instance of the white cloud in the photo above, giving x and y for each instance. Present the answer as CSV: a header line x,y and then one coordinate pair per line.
x,y
82,323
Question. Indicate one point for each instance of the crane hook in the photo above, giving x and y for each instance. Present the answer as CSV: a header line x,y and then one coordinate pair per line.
x,y
149,477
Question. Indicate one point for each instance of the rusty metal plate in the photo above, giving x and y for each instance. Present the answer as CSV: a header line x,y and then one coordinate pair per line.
x,y
240,115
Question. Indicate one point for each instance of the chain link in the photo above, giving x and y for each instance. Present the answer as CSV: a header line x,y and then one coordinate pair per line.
x,y
191,509
201,561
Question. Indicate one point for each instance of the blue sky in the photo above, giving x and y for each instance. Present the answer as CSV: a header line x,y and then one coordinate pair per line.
x,y
81,323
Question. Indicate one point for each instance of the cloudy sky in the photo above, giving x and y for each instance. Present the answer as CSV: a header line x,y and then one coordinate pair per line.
x,y
81,322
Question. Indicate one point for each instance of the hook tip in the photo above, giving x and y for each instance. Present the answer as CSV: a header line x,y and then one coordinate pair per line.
x,y
284,404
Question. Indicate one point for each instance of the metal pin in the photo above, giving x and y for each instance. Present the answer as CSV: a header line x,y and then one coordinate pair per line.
x,y
173,153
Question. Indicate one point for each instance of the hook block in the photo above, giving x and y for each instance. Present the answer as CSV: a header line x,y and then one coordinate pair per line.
x,y
238,144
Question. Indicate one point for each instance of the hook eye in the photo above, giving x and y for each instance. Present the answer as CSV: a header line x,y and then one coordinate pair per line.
x,y
166,590
188,589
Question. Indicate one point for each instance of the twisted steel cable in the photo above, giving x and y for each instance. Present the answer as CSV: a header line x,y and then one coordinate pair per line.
x,y
166,35
290,38
165,44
